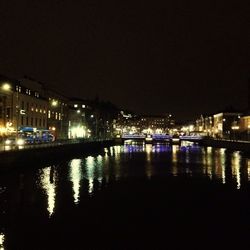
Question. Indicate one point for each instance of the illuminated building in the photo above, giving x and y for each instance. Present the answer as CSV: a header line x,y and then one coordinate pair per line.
x,y
22,105
77,126
225,124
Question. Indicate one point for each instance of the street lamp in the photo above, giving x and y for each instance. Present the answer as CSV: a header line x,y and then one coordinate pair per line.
x,y
6,87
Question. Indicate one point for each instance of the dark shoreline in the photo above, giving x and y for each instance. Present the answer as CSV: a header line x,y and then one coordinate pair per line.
x,y
13,159
231,145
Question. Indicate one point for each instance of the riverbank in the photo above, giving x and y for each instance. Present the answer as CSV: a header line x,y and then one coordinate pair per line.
x,y
56,152
233,145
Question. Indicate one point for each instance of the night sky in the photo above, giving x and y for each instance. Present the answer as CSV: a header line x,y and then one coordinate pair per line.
x,y
163,57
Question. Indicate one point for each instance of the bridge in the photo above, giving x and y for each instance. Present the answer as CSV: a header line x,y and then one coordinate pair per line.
x,y
161,138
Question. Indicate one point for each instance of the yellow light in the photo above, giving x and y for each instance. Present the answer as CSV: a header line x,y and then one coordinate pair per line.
x,y
235,127
6,87
20,142
54,103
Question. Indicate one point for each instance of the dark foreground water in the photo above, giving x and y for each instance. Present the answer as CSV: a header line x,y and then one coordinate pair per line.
x,y
130,197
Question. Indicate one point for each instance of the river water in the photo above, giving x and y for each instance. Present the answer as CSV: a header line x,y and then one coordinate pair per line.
x,y
133,196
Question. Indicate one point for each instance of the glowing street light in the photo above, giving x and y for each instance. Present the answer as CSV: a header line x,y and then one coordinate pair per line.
x,y
54,103
6,86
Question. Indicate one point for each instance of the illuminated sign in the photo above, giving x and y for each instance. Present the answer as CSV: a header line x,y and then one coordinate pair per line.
x,y
22,112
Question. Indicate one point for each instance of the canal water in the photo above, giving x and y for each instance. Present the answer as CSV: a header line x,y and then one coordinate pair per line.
x,y
133,196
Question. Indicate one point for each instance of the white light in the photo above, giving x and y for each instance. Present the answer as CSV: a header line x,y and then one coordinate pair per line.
x,y
76,176
54,103
49,187
20,142
78,132
75,105
8,142
6,87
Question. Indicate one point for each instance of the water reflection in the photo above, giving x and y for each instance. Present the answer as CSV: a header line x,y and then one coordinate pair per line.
x,y
2,239
61,191
75,177
99,169
48,184
90,165
148,168
235,161
146,160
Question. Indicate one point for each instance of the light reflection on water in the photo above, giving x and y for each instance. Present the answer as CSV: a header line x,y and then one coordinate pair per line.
x,y
145,160
236,159
90,165
2,239
48,184
76,177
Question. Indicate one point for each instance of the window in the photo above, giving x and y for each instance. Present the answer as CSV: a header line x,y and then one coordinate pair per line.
x,y
40,122
75,105
31,121
27,106
36,122
22,120
27,120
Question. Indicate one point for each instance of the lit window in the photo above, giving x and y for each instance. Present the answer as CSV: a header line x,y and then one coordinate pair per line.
x,y
49,114
83,106
75,105
56,115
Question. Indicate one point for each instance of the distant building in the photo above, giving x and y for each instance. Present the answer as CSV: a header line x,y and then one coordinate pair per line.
x,y
56,110
157,124
226,124
78,127
245,123
22,105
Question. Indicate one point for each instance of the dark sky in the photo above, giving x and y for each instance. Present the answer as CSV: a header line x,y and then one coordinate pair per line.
x,y
170,56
